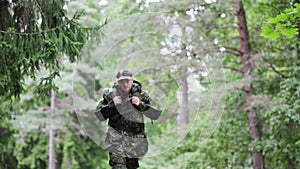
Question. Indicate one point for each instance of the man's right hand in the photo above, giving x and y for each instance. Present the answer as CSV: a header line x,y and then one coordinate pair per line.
x,y
117,100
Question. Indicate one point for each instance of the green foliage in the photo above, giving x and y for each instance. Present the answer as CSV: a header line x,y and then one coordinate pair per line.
x,y
7,141
125,8
34,46
209,144
73,147
72,151
31,150
30,48
282,121
226,147
79,152
230,144
284,24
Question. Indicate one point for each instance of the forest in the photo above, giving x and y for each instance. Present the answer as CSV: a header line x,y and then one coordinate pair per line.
x,y
225,73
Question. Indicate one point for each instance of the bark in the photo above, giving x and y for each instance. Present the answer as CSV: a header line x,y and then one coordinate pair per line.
x,y
5,17
183,115
23,16
52,134
254,123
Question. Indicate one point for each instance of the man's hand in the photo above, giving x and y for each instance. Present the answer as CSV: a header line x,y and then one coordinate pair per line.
x,y
117,100
135,100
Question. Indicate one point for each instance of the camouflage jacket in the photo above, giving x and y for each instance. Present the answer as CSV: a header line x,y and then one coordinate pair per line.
x,y
126,117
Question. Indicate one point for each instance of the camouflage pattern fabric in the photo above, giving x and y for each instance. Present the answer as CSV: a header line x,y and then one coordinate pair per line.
x,y
118,162
125,145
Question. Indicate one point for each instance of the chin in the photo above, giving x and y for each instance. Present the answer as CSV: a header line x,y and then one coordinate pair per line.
x,y
126,90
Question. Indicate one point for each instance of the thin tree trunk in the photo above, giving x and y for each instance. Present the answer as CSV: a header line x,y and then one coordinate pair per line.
x,y
52,133
183,115
254,124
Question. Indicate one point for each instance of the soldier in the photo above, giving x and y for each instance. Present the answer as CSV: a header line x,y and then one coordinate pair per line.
x,y
124,105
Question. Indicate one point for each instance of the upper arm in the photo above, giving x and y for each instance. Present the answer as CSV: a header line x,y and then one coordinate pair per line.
x,y
105,108
147,109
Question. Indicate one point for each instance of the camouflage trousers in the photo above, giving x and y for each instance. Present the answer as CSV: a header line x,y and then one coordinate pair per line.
x,y
118,162
125,145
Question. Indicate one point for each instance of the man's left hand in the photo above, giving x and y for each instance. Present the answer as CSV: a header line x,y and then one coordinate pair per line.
x,y
135,100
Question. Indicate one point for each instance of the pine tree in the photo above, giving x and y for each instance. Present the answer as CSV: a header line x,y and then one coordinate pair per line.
x,y
37,35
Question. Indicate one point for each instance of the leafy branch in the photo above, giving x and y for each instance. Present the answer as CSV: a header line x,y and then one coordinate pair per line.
x,y
285,24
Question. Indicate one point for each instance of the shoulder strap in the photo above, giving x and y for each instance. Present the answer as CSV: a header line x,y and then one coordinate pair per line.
x,y
109,93
136,87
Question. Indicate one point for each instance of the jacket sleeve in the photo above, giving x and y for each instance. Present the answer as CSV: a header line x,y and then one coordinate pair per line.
x,y
146,108
106,107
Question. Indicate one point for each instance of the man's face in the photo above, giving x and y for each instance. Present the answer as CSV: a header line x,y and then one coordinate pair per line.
x,y
125,85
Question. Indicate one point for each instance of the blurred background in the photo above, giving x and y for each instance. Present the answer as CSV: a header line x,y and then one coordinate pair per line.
x,y
224,73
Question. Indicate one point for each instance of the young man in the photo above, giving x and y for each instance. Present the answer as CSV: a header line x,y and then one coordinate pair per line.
x,y
124,105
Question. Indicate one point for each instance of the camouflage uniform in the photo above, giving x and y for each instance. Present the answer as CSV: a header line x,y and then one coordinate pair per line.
x,y
126,139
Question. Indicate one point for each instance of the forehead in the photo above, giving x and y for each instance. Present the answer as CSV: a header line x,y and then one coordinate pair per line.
x,y
124,81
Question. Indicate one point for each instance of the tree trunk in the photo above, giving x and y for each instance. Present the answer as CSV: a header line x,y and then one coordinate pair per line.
x,y
52,133
254,124
183,114
5,17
